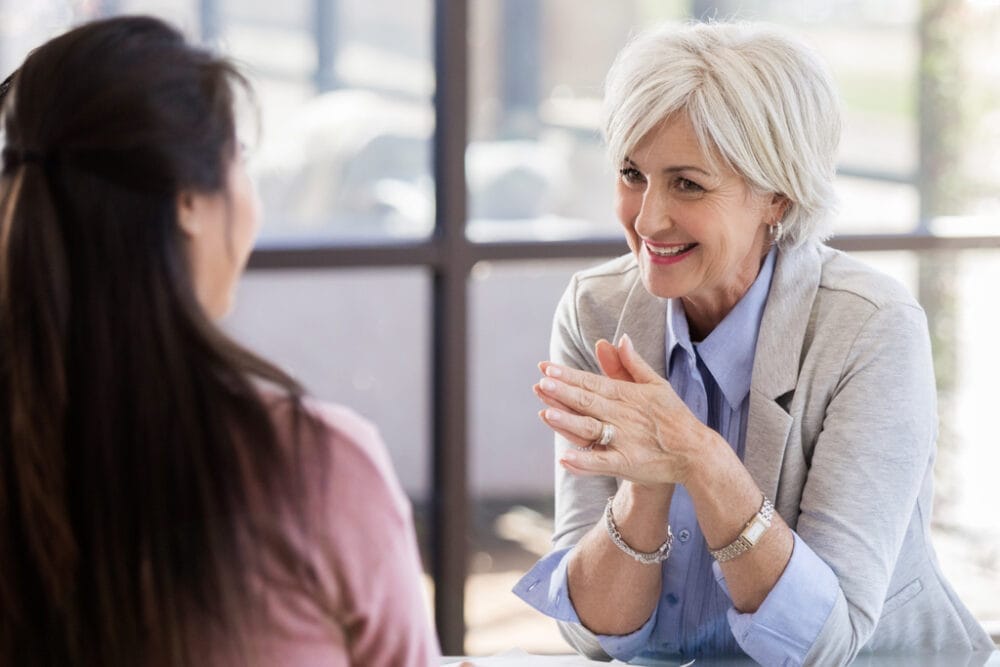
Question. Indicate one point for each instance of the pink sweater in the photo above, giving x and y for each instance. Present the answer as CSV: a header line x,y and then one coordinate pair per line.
x,y
368,609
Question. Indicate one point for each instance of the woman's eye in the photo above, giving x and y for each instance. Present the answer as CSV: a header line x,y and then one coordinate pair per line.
x,y
686,185
630,175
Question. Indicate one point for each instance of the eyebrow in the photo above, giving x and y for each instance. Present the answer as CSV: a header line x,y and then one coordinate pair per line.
x,y
672,169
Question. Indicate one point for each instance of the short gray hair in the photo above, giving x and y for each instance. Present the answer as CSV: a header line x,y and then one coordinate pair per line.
x,y
758,98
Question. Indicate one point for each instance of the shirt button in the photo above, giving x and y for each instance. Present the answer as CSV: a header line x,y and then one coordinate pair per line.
x,y
671,599
684,535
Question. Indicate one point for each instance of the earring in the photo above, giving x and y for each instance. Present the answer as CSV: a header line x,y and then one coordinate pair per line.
x,y
777,231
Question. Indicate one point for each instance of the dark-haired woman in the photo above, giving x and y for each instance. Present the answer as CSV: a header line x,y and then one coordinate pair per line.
x,y
167,497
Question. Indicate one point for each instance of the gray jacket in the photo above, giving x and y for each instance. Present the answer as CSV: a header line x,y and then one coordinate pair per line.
x,y
841,434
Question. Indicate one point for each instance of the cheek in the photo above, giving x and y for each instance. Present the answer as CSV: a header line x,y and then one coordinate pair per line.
x,y
248,221
626,217
627,207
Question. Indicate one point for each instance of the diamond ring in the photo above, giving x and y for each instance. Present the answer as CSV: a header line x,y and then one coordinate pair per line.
x,y
607,435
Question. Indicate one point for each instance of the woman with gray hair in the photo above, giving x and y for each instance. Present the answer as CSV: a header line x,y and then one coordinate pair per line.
x,y
748,467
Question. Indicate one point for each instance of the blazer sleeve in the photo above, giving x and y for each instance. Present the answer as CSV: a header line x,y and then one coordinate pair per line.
x,y
579,501
868,466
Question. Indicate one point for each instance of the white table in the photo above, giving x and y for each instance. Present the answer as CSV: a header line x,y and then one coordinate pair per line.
x,y
518,658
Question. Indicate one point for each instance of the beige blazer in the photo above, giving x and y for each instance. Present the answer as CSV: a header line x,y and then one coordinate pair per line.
x,y
841,434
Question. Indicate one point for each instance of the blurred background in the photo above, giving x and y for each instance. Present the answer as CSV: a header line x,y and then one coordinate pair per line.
x,y
430,321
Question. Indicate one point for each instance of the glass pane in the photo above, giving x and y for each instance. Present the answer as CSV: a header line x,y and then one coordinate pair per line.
x,y
361,338
26,25
345,97
356,337
970,143
880,136
536,165
342,148
510,457
869,206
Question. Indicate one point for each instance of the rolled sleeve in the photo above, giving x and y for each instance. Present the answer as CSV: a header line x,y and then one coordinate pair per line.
x,y
546,588
787,623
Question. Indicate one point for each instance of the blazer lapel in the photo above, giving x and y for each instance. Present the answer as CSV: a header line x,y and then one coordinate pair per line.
x,y
644,319
776,363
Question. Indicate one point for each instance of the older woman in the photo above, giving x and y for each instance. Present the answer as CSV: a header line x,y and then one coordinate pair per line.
x,y
773,494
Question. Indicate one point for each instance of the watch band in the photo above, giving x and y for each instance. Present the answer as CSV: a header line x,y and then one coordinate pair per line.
x,y
751,534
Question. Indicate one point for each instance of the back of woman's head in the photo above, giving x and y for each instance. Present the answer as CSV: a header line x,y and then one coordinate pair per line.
x,y
131,429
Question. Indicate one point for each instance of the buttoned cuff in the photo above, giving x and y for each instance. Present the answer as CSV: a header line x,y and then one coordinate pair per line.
x,y
546,588
786,624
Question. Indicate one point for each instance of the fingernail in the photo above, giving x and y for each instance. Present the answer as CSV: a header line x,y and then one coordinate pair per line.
x,y
547,384
626,341
553,371
552,415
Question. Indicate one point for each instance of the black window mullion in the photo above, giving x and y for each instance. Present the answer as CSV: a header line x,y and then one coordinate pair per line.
x,y
449,494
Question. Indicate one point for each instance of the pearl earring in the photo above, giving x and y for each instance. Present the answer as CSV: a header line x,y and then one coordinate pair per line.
x,y
777,231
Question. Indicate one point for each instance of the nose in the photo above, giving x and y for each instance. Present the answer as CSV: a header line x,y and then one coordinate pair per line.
x,y
655,213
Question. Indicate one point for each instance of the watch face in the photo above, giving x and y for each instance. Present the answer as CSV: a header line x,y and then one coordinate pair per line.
x,y
755,530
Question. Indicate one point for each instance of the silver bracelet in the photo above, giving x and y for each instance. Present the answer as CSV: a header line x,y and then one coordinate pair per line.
x,y
650,558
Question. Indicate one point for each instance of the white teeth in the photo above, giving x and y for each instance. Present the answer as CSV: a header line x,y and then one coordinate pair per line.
x,y
669,252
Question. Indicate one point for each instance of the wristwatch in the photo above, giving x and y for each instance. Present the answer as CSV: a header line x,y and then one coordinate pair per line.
x,y
752,532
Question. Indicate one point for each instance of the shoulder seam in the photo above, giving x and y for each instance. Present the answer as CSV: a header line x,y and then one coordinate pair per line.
x,y
876,304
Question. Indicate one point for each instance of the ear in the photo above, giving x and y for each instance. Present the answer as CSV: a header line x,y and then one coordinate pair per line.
x,y
779,206
189,213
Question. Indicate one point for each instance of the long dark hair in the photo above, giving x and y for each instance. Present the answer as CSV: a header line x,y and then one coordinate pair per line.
x,y
134,435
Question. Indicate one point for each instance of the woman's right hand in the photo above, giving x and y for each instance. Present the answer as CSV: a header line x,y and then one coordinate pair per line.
x,y
657,439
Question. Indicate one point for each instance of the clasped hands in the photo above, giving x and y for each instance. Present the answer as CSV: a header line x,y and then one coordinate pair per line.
x,y
657,439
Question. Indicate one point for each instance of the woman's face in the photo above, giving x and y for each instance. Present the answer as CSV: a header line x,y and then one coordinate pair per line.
x,y
220,229
698,231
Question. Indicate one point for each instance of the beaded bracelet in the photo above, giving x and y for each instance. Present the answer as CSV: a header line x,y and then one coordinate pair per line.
x,y
650,558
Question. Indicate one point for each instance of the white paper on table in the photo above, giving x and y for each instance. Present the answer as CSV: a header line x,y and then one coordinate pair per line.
x,y
519,658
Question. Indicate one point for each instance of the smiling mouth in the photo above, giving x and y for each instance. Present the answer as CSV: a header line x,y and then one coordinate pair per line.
x,y
670,251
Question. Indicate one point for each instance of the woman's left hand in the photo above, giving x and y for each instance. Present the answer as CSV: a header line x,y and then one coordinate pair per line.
x,y
657,439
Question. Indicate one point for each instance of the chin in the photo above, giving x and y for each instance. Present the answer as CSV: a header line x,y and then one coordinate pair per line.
x,y
218,308
223,311
660,288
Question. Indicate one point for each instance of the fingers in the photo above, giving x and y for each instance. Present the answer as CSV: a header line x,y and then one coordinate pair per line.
x,y
608,359
585,429
596,461
549,401
574,439
578,399
576,391
634,364
588,382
